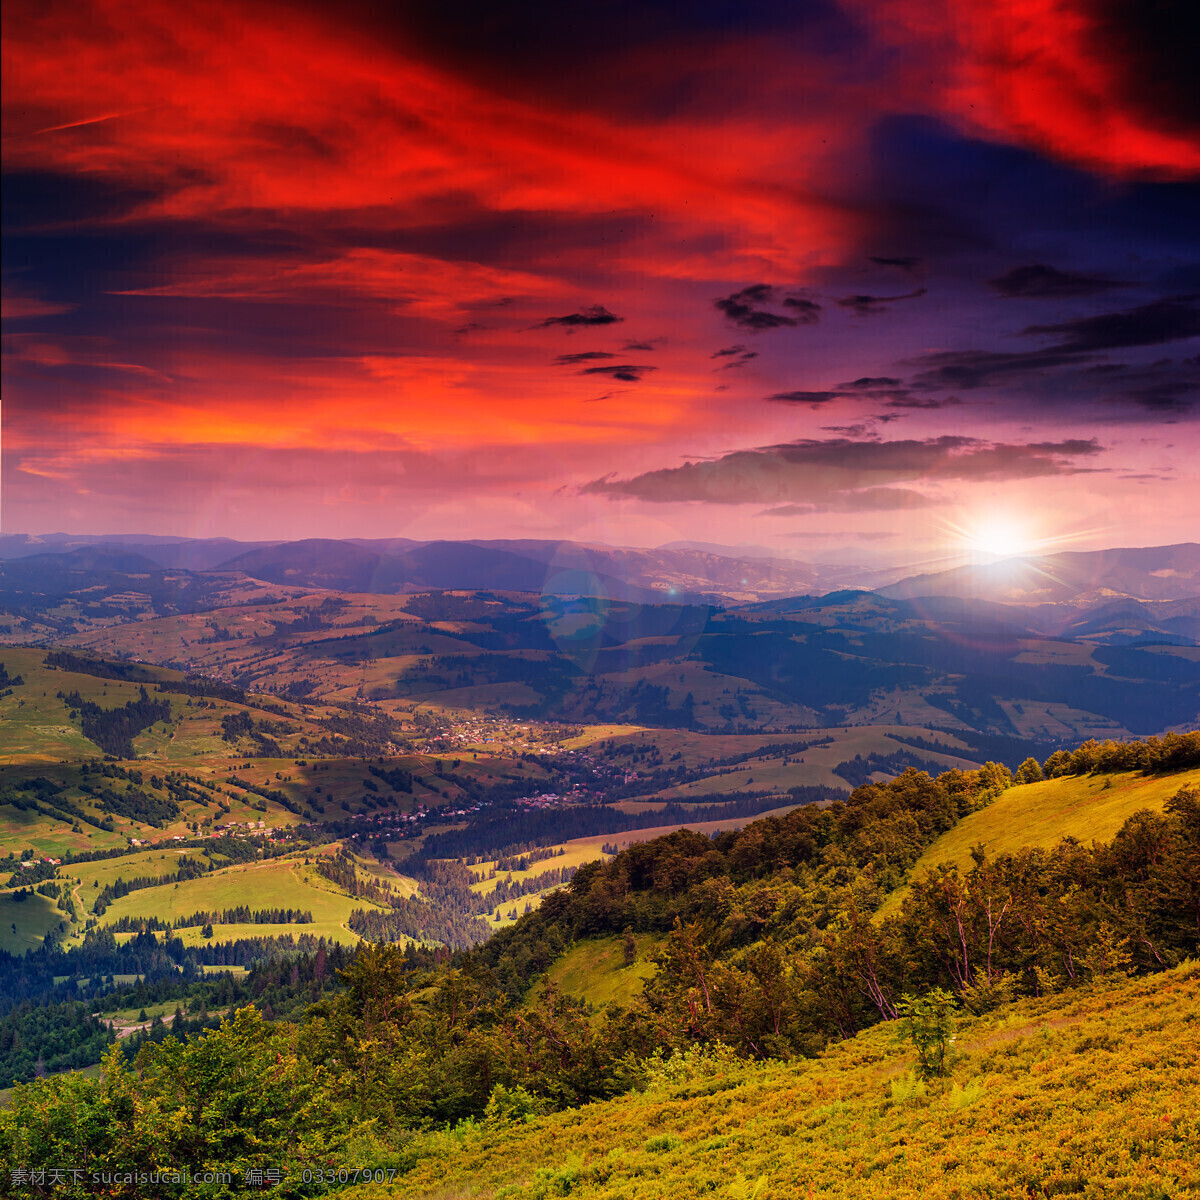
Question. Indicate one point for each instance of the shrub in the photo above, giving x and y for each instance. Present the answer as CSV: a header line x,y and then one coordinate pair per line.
x,y
661,1143
506,1105
686,1066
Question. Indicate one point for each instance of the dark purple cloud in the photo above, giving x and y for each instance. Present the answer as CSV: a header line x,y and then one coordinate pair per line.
x,y
907,263
597,314
1170,320
871,306
1041,282
626,372
587,356
846,473
746,309
1081,341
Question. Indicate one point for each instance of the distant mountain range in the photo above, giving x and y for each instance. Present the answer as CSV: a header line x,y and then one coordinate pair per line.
x,y
1071,577
1068,646
679,572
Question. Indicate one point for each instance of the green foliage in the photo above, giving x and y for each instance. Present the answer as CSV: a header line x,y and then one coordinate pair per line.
x,y
1030,771
58,1036
745,1189
766,950
927,1024
907,1087
986,994
963,1096
686,1066
237,1099
511,1104
661,1143
1152,755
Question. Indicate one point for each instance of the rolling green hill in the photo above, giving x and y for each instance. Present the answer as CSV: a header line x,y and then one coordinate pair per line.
x,y
284,883
1086,807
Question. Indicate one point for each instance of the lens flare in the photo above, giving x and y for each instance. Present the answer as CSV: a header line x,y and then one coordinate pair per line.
x,y
1000,537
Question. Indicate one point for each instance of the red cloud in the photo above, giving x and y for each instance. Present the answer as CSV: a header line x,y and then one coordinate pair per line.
x,y
225,114
1063,76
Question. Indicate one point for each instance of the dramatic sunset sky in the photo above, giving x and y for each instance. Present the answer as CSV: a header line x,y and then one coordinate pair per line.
x,y
886,274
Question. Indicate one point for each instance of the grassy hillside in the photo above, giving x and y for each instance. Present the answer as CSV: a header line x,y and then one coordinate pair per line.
x,y
24,921
1081,1094
1087,807
286,883
766,1055
814,767
594,970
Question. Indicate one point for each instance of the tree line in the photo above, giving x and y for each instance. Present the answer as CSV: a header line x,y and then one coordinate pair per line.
x,y
113,729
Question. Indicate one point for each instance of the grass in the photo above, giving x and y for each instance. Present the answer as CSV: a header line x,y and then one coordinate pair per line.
x,y
276,883
50,837
132,1016
592,734
32,917
594,970
574,855
1087,807
129,866
628,837
37,725
813,767
1084,1093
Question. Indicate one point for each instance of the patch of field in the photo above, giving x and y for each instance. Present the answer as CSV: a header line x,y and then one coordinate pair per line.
x,y
1062,654
1087,807
35,725
813,767
621,840
193,935
130,1016
21,829
594,970
696,749
24,923
1038,719
502,916
599,733
572,855
93,877
287,883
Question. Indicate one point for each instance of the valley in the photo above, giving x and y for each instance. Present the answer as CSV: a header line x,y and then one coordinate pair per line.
x,y
651,853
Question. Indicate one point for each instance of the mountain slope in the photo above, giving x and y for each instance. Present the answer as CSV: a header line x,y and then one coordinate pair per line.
x,y
1074,1095
1146,573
